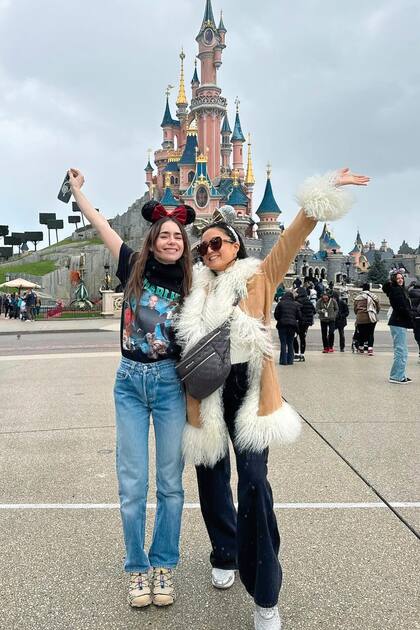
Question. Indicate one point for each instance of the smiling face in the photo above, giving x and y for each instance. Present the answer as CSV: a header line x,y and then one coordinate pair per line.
x,y
169,245
399,279
219,260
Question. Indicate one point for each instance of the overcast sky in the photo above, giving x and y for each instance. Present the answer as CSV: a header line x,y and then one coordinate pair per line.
x,y
322,84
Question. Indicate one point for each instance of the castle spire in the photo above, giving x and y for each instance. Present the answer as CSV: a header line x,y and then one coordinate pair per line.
x,y
182,97
237,130
268,205
250,178
208,19
221,28
195,80
167,117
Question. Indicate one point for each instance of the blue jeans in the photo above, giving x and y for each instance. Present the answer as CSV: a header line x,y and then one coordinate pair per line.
x,y
399,338
141,390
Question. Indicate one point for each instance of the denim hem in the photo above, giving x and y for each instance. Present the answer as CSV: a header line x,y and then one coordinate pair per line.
x,y
265,605
137,570
164,566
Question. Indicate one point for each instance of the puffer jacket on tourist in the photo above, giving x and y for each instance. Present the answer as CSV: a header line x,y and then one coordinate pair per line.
x,y
288,312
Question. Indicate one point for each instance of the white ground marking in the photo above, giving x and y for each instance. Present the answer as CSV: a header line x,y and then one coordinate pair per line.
x,y
196,506
69,355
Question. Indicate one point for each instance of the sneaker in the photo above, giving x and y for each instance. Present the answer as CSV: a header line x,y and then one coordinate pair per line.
x,y
370,352
325,351
331,350
341,349
163,587
360,350
298,357
302,357
222,578
403,382
139,594
267,618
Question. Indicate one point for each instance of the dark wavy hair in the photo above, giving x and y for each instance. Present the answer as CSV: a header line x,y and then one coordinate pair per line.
x,y
134,286
227,229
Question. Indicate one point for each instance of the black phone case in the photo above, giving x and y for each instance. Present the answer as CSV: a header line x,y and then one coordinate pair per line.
x,y
65,192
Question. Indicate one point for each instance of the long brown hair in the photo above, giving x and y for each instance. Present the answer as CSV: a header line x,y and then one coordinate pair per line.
x,y
134,285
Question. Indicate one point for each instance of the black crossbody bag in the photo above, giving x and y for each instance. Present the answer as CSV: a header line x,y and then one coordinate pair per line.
x,y
206,365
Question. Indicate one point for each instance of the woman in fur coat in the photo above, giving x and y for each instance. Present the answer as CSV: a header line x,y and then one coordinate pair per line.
x,y
248,409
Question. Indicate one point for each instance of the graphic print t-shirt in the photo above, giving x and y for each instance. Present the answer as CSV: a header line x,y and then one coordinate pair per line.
x,y
146,325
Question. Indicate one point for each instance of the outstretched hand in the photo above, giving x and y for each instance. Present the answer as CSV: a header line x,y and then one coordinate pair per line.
x,y
345,177
76,179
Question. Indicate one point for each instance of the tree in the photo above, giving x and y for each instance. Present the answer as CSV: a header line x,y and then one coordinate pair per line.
x,y
406,249
377,273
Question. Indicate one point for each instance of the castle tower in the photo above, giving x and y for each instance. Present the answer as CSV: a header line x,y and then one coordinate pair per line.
x,y
149,172
226,146
237,141
237,198
182,105
168,200
268,213
249,178
207,105
168,125
187,162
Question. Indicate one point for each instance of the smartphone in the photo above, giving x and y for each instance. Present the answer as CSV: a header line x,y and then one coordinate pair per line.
x,y
65,192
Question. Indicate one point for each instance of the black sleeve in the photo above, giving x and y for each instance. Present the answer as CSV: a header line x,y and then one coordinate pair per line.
x,y
398,302
125,263
277,311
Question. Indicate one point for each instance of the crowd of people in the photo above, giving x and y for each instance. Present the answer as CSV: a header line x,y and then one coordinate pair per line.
x,y
296,309
25,306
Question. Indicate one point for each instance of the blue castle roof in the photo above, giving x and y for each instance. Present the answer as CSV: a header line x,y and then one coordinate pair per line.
x,y
226,127
237,197
171,167
195,78
149,167
168,199
268,205
188,156
237,130
168,121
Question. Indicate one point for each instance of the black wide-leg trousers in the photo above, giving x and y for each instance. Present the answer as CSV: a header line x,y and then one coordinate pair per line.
x,y
247,540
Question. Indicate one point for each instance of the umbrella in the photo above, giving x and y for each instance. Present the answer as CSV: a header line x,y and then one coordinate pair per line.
x,y
20,283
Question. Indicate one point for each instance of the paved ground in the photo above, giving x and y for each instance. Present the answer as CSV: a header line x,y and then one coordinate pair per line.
x,y
347,497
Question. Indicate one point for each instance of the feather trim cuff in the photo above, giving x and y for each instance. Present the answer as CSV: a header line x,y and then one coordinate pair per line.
x,y
322,200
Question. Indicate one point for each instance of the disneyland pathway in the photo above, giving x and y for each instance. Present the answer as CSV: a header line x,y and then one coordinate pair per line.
x,y
347,501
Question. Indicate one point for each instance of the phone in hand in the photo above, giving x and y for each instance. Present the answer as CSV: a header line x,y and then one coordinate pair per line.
x,y
65,192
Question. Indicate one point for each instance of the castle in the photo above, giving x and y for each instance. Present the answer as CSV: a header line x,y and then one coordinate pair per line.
x,y
201,161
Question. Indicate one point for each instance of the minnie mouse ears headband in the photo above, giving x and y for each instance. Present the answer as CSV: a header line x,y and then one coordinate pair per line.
x,y
152,211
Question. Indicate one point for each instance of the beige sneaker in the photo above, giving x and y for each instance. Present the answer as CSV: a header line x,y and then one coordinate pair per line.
x,y
163,587
139,594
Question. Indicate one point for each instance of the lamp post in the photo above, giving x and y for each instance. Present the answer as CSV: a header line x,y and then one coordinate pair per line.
x,y
107,278
348,269
304,268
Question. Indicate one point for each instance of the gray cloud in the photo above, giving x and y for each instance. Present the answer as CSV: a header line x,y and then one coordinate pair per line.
x,y
321,84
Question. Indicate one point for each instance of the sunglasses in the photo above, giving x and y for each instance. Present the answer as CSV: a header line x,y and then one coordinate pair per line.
x,y
215,243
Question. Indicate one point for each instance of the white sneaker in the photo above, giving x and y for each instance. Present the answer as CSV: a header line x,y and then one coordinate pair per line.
x,y
222,578
267,618
139,594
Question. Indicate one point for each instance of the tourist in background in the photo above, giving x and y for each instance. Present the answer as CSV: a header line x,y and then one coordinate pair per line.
x,y
341,319
155,282
400,320
307,312
30,305
287,316
414,294
312,294
327,309
366,307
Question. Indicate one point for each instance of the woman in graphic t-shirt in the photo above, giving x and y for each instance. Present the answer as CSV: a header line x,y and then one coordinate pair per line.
x,y
155,281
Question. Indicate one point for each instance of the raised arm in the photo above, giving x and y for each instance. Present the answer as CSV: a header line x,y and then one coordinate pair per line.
x,y
321,199
110,238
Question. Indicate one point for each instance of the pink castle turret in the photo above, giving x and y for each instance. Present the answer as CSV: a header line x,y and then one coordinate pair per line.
x,y
237,142
208,106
